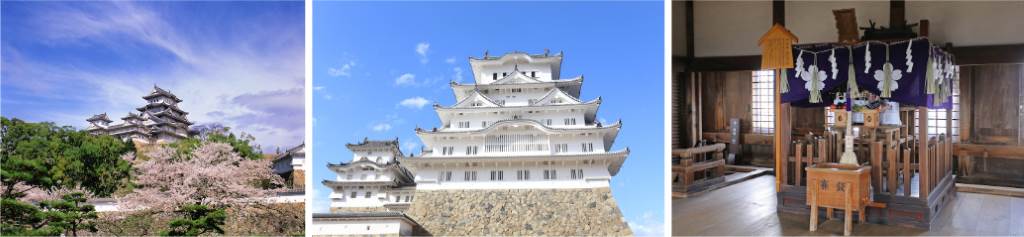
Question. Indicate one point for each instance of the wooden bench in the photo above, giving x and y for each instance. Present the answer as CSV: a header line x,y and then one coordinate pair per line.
x,y
698,168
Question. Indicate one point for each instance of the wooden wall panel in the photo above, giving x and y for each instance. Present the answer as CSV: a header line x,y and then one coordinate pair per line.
x,y
726,95
995,101
808,120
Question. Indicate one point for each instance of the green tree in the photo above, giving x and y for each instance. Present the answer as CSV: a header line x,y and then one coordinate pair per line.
x,y
52,217
196,220
46,156
243,144
69,213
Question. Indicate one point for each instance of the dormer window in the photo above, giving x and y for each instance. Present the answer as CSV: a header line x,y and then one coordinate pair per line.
x,y
556,101
495,76
476,104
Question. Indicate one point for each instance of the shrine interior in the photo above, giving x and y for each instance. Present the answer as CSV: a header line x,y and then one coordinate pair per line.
x,y
909,114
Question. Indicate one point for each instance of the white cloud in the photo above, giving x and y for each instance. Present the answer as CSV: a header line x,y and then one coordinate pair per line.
x,y
458,74
205,66
345,70
421,49
648,225
450,60
317,88
410,146
414,102
406,79
381,127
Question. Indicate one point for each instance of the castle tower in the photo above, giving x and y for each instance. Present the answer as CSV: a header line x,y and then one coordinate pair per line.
x,y
373,181
518,154
159,121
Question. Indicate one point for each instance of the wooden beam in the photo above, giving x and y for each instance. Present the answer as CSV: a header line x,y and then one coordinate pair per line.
x,y
779,12
690,45
897,13
988,54
745,138
922,152
1002,151
965,55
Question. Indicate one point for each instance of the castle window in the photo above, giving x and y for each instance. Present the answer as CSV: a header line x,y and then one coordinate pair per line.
x,y
368,194
496,175
570,121
464,124
550,175
408,198
523,175
762,107
495,76
448,150
398,198
556,101
483,124
549,122
470,176
561,148
353,195
471,150
504,74
514,90
576,173
447,176
533,74
587,147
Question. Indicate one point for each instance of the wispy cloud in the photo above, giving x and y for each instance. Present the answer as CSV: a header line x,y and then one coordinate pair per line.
x,y
248,75
414,102
345,70
410,146
381,127
457,74
421,49
649,224
405,79
450,60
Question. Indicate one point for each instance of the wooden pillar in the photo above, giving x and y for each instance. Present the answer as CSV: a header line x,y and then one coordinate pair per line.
x,y
922,152
876,165
780,159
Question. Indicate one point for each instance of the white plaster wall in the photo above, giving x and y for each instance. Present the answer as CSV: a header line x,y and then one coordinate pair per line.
x,y
475,119
971,23
378,196
595,175
486,74
358,174
733,28
573,142
386,157
813,22
361,227
729,28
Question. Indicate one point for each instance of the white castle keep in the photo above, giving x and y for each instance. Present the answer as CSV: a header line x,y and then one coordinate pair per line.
x,y
519,128
159,121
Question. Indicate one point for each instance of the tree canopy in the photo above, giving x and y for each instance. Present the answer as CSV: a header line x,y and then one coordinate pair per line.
x,y
46,156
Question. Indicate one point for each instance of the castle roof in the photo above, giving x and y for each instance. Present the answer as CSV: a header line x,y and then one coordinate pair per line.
x,y
99,117
160,92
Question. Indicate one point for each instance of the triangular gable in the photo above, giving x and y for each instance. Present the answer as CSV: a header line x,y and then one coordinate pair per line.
x,y
516,77
557,97
476,100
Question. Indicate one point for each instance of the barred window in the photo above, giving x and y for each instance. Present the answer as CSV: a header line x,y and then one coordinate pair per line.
x,y
762,106
937,117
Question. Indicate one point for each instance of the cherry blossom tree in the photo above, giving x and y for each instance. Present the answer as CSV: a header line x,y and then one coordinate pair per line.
x,y
212,175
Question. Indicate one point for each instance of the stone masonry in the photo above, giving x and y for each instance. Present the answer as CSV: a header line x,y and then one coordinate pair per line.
x,y
559,212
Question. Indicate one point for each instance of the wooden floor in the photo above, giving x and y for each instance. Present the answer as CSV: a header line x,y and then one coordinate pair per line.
x,y
748,208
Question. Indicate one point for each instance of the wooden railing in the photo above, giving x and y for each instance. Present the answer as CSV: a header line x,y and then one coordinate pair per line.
x,y
704,163
895,161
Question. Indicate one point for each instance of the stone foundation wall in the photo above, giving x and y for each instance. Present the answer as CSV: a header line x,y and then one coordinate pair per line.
x,y
299,179
562,212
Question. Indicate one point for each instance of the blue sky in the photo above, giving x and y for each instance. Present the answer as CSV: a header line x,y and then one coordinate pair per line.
x,y
378,68
240,64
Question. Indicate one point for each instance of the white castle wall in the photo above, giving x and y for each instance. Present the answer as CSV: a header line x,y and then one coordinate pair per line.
x,y
385,227
594,176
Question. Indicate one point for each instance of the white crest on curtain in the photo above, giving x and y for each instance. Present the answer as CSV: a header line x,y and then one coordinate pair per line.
x,y
888,79
910,57
799,63
835,66
867,57
815,81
